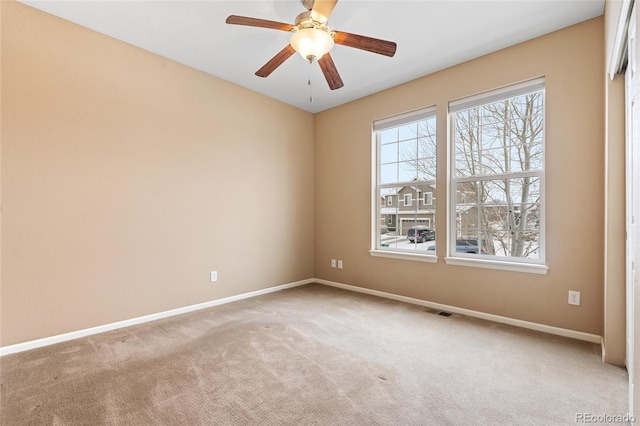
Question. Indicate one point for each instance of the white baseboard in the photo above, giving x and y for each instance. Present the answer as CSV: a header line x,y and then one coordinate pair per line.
x,y
33,344
490,317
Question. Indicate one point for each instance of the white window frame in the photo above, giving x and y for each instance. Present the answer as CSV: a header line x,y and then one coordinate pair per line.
x,y
389,200
407,197
379,125
536,266
428,195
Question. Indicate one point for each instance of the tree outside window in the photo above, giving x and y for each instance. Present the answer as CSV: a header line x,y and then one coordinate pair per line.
x,y
497,173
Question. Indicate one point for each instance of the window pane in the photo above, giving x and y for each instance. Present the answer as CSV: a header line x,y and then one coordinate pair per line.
x,y
427,168
524,190
426,147
408,171
494,161
499,217
388,213
492,137
466,221
408,131
466,193
389,153
467,164
389,135
388,173
408,150
535,156
406,213
505,213
493,113
429,128
467,121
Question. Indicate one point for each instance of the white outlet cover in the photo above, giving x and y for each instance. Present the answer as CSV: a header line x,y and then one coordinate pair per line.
x,y
214,276
574,298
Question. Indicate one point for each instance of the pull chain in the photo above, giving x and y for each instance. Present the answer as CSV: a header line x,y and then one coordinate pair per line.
x,y
309,83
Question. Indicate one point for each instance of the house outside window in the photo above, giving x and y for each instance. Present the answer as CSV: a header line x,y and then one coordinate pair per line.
x,y
404,149
497,177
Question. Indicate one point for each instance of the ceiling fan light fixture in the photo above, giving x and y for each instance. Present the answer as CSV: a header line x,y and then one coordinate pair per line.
x,y
311,43
313,40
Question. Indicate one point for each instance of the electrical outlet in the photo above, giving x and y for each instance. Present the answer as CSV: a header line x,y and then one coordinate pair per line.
x,y
339,264
333,263
574,297
214,276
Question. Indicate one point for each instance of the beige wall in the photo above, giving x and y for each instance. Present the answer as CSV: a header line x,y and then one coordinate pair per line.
x,y
572,62
126,179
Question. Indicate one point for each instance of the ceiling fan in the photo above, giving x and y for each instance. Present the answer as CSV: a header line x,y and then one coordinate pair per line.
x,y
312,38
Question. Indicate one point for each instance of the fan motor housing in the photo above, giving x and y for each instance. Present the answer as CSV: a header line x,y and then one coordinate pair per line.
x,y
304,20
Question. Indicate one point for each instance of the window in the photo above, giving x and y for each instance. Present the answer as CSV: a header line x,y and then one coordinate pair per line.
x,y
405,169
497,175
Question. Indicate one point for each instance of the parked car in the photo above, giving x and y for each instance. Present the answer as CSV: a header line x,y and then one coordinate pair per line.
x,y
470,245
420,234
466,245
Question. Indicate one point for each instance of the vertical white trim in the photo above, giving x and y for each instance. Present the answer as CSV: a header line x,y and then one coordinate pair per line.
x,y
632,172
615,62
375,201
452,192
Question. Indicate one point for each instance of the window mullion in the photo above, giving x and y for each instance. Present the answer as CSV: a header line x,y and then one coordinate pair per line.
x,y
499,176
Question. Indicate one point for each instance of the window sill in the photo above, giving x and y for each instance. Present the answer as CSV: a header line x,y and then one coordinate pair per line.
x,y
528,268
404,256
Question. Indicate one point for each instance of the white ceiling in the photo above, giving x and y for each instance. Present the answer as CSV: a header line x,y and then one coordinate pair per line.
x,y
431,35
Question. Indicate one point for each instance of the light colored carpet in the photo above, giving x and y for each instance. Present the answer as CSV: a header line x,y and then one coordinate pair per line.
x,y
312,355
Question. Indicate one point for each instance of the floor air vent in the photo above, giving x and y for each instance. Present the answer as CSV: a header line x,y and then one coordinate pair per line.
x,y
436,312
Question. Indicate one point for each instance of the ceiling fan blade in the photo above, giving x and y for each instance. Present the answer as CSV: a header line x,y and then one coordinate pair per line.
x,y
330,72
322,9
375,45
256,22
275,62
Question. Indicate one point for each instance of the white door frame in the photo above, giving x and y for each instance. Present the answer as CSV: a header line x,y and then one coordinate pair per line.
x,y
632,186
